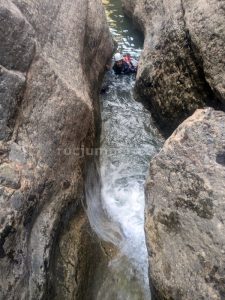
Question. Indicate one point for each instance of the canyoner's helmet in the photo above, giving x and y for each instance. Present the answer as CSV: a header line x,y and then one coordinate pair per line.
x,y
118,57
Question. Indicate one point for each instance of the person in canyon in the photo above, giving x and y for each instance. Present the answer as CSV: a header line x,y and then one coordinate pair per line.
x,y
123,65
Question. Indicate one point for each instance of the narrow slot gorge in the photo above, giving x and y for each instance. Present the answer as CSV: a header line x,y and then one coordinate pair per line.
x,y
94,203
128,141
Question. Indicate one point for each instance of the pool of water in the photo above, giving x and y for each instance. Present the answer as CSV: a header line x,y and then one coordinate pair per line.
x,y
129,140
128,38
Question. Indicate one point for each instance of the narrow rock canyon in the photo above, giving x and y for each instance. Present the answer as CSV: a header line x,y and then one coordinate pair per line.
x,y
55,241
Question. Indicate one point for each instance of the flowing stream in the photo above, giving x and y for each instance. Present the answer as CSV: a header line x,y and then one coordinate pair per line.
x,y
115,201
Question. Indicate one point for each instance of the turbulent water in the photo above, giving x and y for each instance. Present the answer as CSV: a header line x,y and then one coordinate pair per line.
x,y
128,142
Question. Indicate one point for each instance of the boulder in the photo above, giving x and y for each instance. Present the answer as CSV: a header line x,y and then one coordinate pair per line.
x,y
185,211
52,57
182,65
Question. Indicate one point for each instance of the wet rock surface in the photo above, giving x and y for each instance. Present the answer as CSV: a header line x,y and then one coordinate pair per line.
x,y
185,217
182,66
89,255
52,58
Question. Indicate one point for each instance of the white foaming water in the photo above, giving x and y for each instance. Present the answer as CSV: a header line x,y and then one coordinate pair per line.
x,y
129,141
115,202
124,203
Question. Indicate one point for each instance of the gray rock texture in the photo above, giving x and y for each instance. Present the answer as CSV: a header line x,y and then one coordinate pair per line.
x,y
52,58
12,86
185,211
17,38
182,65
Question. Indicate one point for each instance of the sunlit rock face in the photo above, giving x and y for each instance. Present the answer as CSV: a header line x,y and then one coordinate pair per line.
x,y
182,66
52,58
185,211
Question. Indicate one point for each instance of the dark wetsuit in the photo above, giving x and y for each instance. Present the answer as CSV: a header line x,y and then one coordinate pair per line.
x,y
124,69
